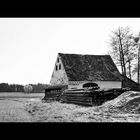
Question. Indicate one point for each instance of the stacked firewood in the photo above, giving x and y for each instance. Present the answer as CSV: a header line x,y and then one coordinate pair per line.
x,y
90,97
83,96
79,97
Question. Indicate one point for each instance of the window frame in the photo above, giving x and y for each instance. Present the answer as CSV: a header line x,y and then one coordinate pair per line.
x,y
56,68
58,60
59,66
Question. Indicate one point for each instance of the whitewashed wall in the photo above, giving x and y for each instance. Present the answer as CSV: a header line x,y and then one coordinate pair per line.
x,y
101,84
109,84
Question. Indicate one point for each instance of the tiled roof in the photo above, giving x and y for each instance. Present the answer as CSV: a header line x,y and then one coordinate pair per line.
x,y
90,67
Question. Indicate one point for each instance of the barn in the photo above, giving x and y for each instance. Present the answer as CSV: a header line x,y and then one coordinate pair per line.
x,y
74,73
75,70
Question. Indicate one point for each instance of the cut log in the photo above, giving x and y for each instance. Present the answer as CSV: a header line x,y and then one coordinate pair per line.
x,y
83,97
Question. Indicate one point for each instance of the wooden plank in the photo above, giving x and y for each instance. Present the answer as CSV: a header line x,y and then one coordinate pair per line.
x,y
79,102
80,98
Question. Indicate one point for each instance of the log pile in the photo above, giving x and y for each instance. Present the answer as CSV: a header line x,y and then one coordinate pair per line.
x,y
78,97
85,96
90,97
54,92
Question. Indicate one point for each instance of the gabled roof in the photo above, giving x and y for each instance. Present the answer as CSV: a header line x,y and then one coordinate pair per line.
x,y
90,67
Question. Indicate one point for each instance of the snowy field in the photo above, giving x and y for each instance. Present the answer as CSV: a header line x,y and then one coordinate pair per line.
x,y
125,108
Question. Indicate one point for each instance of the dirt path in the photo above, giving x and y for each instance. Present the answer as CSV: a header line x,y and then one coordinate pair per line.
x,y
13,110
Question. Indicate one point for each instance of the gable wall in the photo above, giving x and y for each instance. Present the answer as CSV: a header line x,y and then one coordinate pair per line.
x,y
59,76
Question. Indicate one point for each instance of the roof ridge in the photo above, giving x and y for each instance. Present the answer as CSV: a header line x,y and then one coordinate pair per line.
x,y
84,54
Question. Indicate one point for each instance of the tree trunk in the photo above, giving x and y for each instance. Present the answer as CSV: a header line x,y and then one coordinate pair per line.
x,y
130,69
122,55
121,60
138,63
123,63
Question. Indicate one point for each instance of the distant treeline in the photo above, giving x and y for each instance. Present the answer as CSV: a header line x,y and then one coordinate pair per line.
x,y
37,88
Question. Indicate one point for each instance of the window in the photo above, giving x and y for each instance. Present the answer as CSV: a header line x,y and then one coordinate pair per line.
x,y
56,68
59,66
57,60
88,85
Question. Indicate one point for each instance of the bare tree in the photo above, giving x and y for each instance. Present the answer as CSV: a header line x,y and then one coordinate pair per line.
x,y
129,55
121,49
137,44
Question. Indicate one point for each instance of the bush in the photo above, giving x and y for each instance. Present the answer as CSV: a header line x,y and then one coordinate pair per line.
x,y
28,88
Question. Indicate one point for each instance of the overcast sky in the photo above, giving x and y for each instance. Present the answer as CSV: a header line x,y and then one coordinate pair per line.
x,y
29,46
